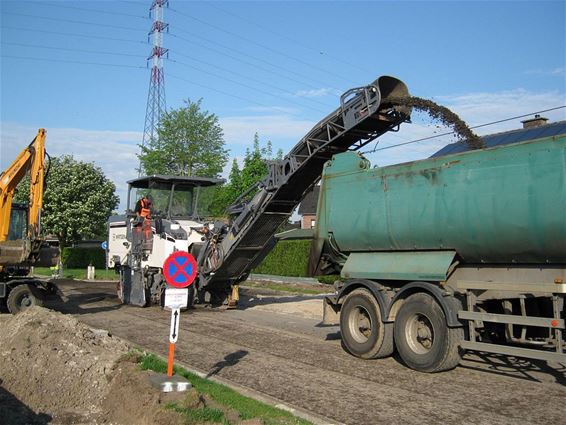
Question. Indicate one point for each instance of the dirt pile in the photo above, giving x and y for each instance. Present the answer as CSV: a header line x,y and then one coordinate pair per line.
x,y
54,369
55,364
441,114
131,400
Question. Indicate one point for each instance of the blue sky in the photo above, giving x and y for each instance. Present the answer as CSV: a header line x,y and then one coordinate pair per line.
x,y
78,68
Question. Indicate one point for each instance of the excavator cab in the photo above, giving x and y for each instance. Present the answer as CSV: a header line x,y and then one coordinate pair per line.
x,y
18,222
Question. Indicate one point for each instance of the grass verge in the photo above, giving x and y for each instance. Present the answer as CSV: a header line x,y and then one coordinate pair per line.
x,y
247,407
80,274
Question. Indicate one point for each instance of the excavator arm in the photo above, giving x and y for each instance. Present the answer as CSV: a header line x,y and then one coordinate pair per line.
x,y
31,159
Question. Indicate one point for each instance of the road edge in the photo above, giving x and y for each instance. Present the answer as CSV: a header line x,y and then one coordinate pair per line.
x,y
256,395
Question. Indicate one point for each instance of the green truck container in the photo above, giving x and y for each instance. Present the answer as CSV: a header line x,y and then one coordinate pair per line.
x,y
464,251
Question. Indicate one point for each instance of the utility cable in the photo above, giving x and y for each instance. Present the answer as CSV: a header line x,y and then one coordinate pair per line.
x,y
233,34
169,75
240,52
74,22
286,37
73,50
66,34
137,30
471,128
108,12
244,76
72,61
241,84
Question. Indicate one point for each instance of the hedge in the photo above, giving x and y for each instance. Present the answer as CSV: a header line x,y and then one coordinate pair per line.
x,y
79,258
288,258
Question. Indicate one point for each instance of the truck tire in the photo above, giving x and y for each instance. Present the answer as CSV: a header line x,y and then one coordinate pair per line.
x,y
422,337
363,332
22,297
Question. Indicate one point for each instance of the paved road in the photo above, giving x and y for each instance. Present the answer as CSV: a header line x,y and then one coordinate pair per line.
x,y
291,359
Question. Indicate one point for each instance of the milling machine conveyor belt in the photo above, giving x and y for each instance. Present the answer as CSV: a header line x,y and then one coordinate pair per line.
x,y
364,115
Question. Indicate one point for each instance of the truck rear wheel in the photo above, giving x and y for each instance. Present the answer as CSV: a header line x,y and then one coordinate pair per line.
x,y
363,332
422,337
22,297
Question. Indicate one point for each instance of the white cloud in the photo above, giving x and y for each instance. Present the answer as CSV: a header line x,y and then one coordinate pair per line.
x,y
113,151
475,109
273,110
481,108
324,91
553,72
241,129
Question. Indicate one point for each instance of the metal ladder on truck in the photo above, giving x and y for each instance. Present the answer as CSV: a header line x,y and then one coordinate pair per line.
x,y
364,114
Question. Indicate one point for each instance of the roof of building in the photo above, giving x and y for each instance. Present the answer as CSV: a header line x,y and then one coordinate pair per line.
x,y
309,202
507,137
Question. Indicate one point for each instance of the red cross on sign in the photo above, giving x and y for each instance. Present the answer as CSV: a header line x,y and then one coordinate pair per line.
x,y
180,269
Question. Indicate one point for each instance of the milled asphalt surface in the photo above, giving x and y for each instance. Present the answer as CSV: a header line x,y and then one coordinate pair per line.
x,y
289,357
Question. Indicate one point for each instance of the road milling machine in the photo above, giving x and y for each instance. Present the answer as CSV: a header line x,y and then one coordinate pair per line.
x,y
227,252
137,247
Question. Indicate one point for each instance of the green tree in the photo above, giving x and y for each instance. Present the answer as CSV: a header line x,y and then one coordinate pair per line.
x,y
220,197
236,184
189,142
77,201
253,170
255,163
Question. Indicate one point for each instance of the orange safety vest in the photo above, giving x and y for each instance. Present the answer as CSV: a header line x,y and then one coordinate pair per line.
x,y
145,212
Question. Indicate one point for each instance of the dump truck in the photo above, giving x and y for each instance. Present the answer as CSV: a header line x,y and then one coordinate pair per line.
x,y
21,243
447,254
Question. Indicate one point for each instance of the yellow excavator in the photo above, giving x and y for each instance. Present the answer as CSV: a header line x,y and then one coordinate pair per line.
x,y
20,243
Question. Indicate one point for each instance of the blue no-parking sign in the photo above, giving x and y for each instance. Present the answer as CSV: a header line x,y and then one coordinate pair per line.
x,y
180,269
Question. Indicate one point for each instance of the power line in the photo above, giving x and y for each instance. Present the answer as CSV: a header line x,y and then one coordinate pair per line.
x,y
181,63
72,61
66,34
73,21
473,127
242,76
94,10
286,37
240,52
240,84
259,45
173,35
73,50
218,91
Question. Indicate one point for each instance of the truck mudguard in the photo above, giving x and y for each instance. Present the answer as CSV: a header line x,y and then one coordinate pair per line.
x,y
377,290
449,304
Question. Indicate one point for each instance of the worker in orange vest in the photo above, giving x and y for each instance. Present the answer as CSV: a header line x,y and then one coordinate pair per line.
x,y
141,231
143,207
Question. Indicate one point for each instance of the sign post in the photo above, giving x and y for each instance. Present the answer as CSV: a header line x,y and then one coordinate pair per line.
x,y
104,246
179,270
173,334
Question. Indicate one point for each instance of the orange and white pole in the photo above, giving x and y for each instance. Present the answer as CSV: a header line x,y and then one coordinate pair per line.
x,y
170,359
173,335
